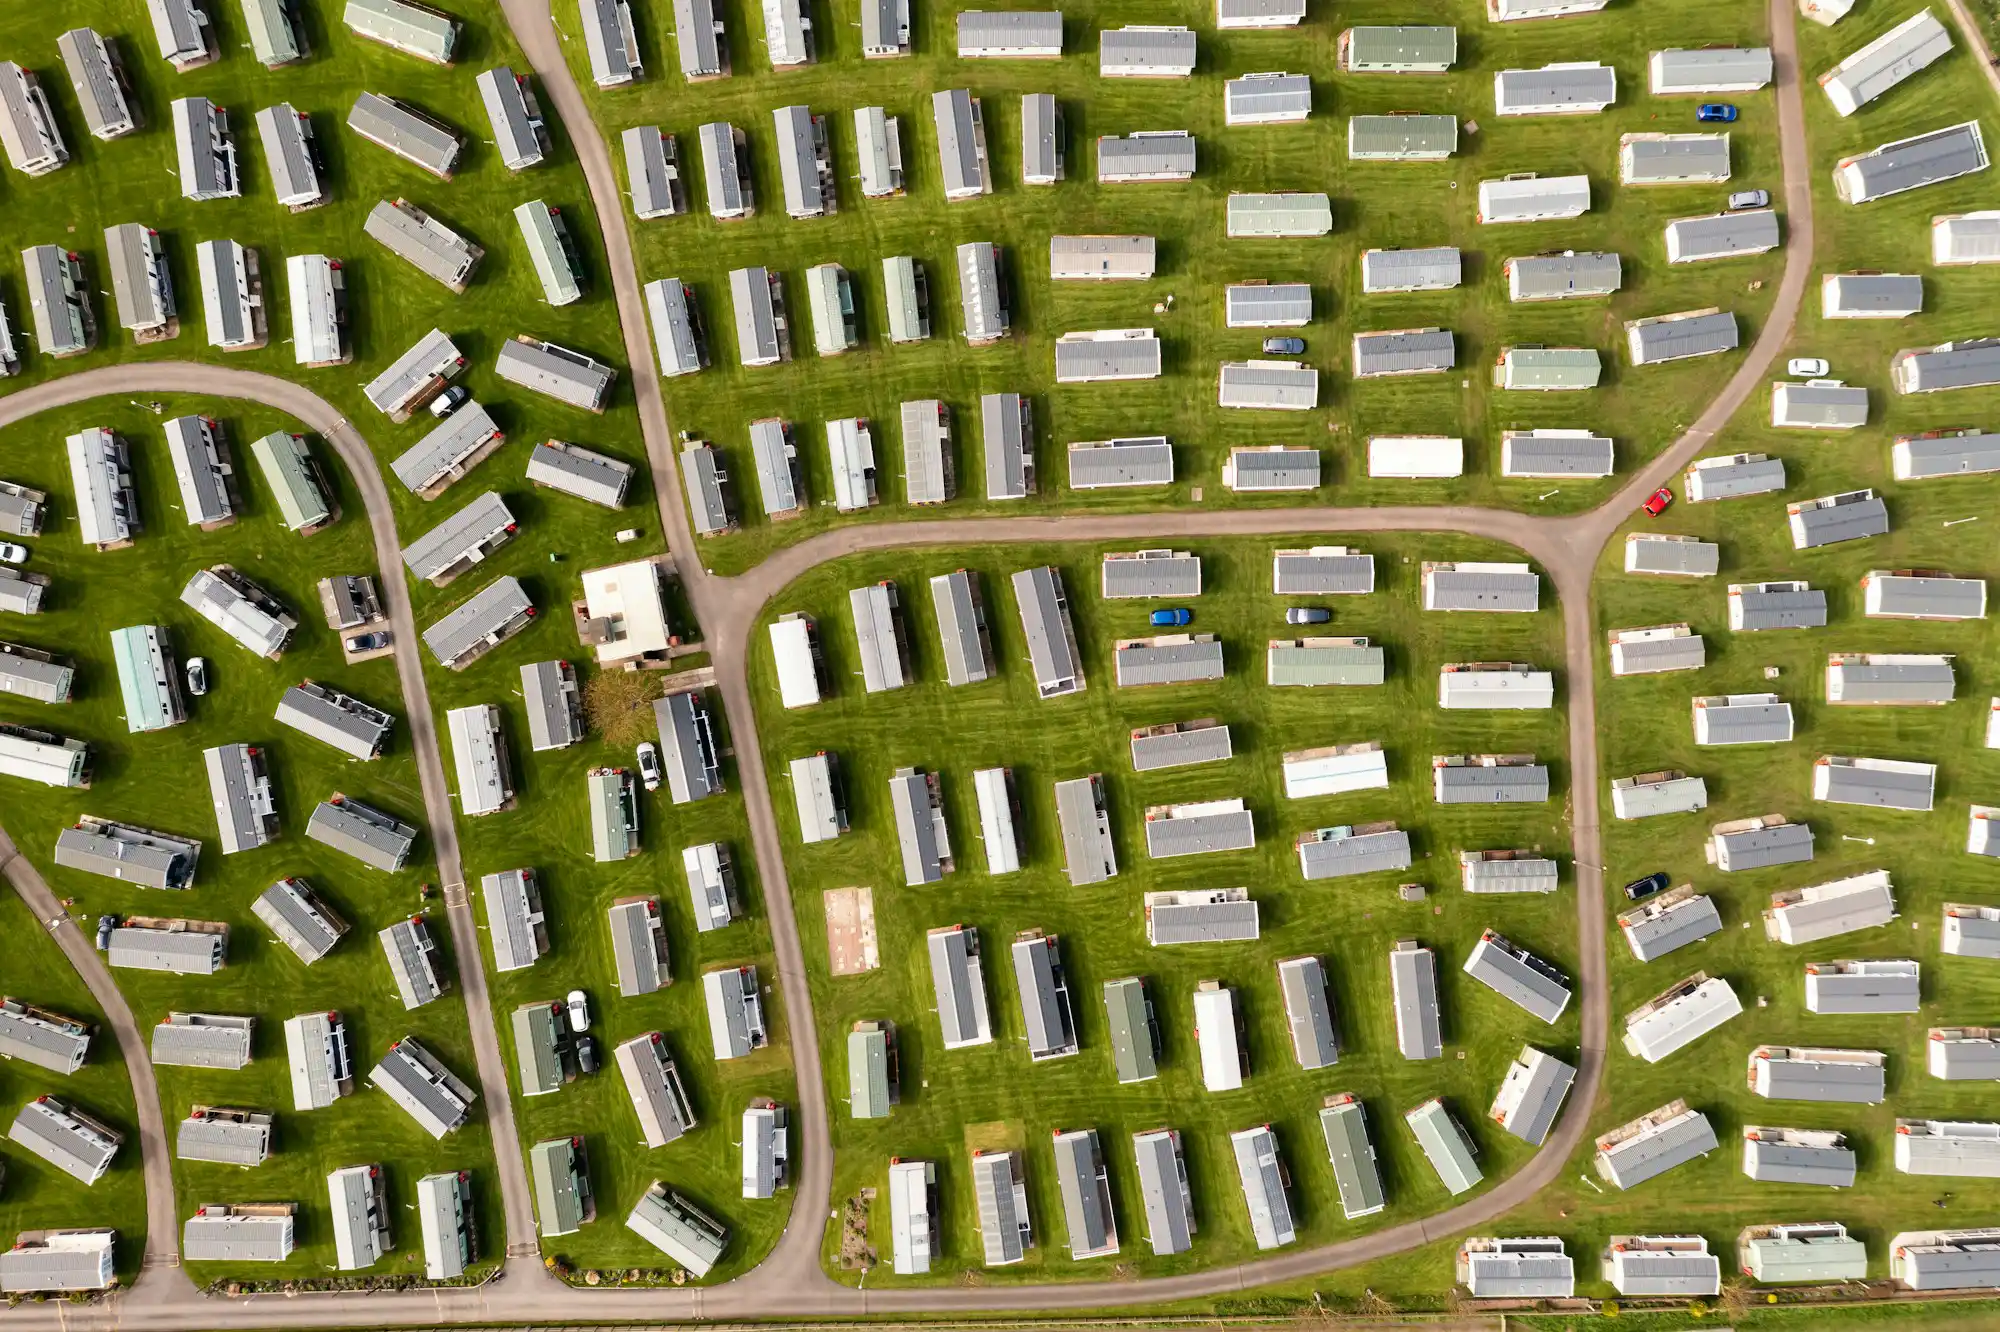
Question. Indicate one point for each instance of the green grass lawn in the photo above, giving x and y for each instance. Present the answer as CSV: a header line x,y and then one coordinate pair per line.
x,y
953,1101
38,1196
157,780
1376,205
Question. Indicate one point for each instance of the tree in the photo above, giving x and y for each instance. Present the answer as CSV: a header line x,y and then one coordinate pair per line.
x,y
619,705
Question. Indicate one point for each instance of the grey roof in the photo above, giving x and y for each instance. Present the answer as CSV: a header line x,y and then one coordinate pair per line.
x,y
424,1088
205,149
961,140
1262,98
1907,164
201,468
258,1233
241,609
1789,1156
1667,159
575,470
1677,337
408,133
1966,363
1433,268
1001,1199
1145,155
184,948
724,169
1403,48
1343,1124
286,134
703,478
928,475
415,29
920,826
1760,848
1553,277
1506,872
1445,1145
56,300
562,374
1971,930
1657,553
1045,623
1885,986
360,1212
1487,784
1556,453
1041,139
1302,982
1848,1077
698,33
1402,136
1208,915
1531,1095
1272,468
1919,458
372,837
1845,517
961,623
1085,1187
239,786
638,946
762,338
1330,853
1124,258
1742,719
1947,1260
1089,854
1776,606
21,509
94,74
689,750
1084,358
1481,587
610,42
1656,928
653,172
1568,87
1145,49
1963,1054
1263,1176
1413,982
959,986
322,1065
66,1138
1822,406
1150,573
21,593
139,856
488,616
461,540
1409,352
885,27
1129,1025
1295,213
1515,974
989,33
1145,461
1882,784
1164,1196
552,253
514,918
302,922
447,450
711,880
142,289
42,1038
1525,1268
516,119
982,301
444,1203
1656,1149
1888,678
1710,69
418,373
413,961
100,468
33,674
1874,69
1870,295
1733,477
1199,829
805,168
653,1083
678,335
1178,659
1046,1016
1277,385
349,725
1947,1147
676,1227
776,459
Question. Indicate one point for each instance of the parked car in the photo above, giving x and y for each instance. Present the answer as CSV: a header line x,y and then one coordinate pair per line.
x,y
13,552
1657,502
1750,199
579,1012
197,676
1307,615
1810,366
370,642
1285,346
449,401
649,764
105,924
1656,882
586,1054
1717,111
1174,617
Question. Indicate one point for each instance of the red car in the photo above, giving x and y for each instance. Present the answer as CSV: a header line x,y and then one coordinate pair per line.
x,y
1660,499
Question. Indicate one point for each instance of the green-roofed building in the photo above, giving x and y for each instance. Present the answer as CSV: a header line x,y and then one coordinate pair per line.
x,y
870,1091
294,479
614,815
1134,1040
562,1186
538,1029
1548,368
1402,138
1323,661
1402,49
1344,1124
148,679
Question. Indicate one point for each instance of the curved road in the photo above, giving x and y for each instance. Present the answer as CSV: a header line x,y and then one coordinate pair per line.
x,y
791,1282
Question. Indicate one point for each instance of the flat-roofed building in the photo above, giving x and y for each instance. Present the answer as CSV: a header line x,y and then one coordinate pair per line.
x,y
239,786
1907,164
1913,595
766,1153
961,140
726,170
1669,921
1105,355
1531,1095
1445,1145
872,1083
1721,236
139,856
1084,1185
1529,1267
1710,69
780,477
982,295
959,984
1141,51
1402,49
1823,911
552,251
961,624
1009,34
906,292
795,655
1416,457
1759,843
1266,304
1150,573
1567,88
614,814
913,1216
1688,159
107,501
610,43
1507,11
142,289
404,26
413,961
331,717
805,162
59,1261
763,332
557,372
1416,351
66,1138
296,481
413,135
1809,1251
1786,605
1218,1031
423,1088
917,799
638,946
1179,745
319,310
292,155
1269,99
1335,770
240,1233
1848,1077
1973,363
1653,1144
1662,1265
1683,1013
1555,277
563,1201
995,792
1548,369
1904,50
1109,463
30,673
1200,915
516,117
1043,159
1877,783
1265,1181
232,294
1490,685
653,172
1506,872
419,374
1271,468
1678,337
322,1062
358,1196
1965,1149
300,919
1971,930
99,82
706,483
1165,1197
1485,779
1817,1157
653,1084
486,619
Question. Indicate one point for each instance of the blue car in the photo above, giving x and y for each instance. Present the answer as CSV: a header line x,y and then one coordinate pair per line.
x,y
1172,619
1721,111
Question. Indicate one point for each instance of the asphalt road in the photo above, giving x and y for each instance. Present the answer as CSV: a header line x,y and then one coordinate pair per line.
x,y
791,1282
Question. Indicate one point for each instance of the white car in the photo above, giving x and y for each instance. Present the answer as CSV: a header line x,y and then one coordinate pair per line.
x,y
579,1012
1809,366
13,552
649,765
